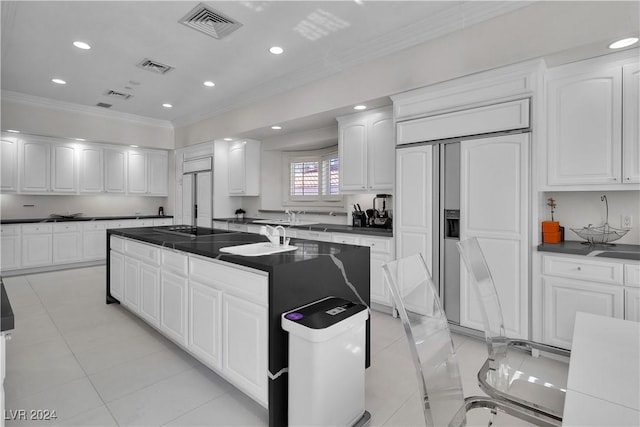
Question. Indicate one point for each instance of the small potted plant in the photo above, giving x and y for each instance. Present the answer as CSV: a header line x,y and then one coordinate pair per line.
x,y
240,213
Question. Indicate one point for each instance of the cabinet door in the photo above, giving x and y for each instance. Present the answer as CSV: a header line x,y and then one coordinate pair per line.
x,y
8,169
131,284
116,272
494,208
10,242
379,288
173,314
91,170
137,173
64,169
150,293
67,247
381,152
584,128
413,216
158,162
205,323
204,197
94,244
352,148
236,169
36,250
34,167
244,346
115,170
630,126
562,298
632,304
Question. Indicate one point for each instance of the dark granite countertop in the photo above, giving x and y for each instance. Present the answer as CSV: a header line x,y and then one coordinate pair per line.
x,y
336,228
209,246
7,322
79,218
570,247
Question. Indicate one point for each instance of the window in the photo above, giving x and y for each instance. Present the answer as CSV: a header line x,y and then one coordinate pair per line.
x,y
313,177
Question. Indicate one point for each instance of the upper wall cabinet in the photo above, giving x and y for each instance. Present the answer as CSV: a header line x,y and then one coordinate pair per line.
x,y
244,168
366,146
8,168
34,164
115,170
592,124
147,173
91,169
64,168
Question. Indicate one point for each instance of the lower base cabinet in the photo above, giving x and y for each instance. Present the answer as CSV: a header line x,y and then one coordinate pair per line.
x,y
173,312
150,294
632,304
205,323
131,284
116,272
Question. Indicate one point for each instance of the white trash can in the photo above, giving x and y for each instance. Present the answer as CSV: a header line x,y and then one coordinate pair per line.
x,y
327,346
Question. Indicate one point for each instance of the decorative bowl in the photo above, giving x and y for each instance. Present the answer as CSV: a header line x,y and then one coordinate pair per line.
x,y
599,235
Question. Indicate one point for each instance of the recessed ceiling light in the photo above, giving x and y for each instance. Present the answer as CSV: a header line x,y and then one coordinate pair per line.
x,y
133,146
59,81
228,139
276,50
360,107
209,84
276,127
13,131
80,139
167,105
81,45
623,43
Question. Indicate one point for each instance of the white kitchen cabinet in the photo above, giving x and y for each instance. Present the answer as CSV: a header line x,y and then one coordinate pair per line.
x,y
158,173
162,221
131,295
34,164
116,272
234,226
91,169
413,215
150,294
494,206
366,146
8,167
244,168
64,168
11,242
173,315
67,242
115,170
205,323
244,343
345,239
94,240
36,245
591,107
632,304
312,235
381,250
221,225
137,172
630,123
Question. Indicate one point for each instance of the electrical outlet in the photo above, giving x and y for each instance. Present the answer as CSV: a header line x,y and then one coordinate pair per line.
x,y
626,221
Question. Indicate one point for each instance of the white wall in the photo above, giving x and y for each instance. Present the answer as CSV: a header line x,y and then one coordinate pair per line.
x,y
544,28
62,121
579,209
12,206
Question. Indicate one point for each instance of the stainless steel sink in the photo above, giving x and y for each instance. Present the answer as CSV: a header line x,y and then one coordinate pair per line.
x,y
257,249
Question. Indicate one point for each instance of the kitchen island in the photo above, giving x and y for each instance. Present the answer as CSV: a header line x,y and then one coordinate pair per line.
x,y
153,268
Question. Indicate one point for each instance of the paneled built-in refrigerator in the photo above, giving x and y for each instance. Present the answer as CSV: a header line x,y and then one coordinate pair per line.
x,y
197,192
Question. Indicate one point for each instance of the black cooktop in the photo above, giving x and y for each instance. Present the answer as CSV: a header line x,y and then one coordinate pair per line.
x,y
188,230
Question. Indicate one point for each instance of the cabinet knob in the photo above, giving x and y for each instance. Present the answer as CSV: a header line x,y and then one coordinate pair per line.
x,y
579,268
615,179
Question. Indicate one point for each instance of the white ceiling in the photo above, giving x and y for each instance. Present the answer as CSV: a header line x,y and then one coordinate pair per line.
x,y
319,37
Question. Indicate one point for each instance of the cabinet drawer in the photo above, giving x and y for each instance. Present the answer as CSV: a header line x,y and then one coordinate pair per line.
x,y
313,235
345,239
65,227
377,244
632,274
250,285
117,244
221,225
10,230
94,225
143,252
177,262
36,228
237,227
583,269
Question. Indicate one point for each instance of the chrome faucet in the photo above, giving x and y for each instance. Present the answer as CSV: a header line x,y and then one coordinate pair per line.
x,y
291,215
274,236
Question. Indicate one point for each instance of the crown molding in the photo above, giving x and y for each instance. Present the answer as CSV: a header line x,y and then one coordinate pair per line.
x,y
22,98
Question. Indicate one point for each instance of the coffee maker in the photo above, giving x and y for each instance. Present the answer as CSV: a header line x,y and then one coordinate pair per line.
x,y
380,217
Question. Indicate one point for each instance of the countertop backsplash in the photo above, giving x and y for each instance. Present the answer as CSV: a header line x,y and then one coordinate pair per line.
x,y
577,209
13,206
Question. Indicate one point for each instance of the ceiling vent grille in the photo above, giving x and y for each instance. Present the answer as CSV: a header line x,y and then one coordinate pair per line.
x,y
103,105
119,95
155,66
210,22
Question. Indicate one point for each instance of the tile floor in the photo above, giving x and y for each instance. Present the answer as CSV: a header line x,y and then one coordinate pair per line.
x,y
98,365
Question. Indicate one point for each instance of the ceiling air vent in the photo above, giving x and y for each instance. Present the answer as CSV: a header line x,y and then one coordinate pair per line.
x,y
119,95
210,21
155,66
103,105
